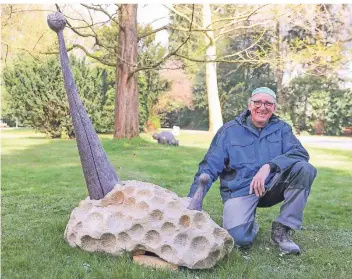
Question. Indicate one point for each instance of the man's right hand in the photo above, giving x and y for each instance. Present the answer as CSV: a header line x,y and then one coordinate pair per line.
x,y
258,182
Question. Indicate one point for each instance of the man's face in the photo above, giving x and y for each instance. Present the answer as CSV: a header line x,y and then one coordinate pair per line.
x,y
261,114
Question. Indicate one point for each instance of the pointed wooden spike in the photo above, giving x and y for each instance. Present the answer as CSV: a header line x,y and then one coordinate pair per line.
x,y
99,174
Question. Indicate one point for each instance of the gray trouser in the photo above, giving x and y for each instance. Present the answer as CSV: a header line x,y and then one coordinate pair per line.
x,y
291,186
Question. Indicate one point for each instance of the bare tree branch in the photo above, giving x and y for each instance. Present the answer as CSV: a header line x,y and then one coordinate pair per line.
x,y
237,28
171,27
170,53
242,60
100,9
183,16
74,46
7,51
39,39
97,58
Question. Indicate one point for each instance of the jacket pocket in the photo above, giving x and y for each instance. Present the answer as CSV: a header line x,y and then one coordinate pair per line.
x,y
275,145
242,151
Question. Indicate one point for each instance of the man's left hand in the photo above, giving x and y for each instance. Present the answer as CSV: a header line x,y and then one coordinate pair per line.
x,y
258,181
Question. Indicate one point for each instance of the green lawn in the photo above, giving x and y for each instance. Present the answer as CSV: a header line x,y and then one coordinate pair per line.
x,y
42,182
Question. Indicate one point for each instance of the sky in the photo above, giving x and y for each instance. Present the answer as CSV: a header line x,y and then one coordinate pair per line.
x,y
156,13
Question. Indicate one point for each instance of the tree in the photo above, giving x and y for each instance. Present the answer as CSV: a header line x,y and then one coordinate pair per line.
x,y
126,101
125,48
313,100
215,117
36,95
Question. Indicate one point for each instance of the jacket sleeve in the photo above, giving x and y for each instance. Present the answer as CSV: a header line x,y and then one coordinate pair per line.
x,y
213,162
293,151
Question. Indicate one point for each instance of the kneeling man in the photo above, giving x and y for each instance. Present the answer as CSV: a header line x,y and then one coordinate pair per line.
x,y
260,163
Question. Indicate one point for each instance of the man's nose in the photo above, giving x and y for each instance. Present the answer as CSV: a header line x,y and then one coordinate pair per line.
x,y
262,106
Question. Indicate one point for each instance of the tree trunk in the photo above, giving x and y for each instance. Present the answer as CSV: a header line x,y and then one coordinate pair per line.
x,y
278,71
215,116
126,100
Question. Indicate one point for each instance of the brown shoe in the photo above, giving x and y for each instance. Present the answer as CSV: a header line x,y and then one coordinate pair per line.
x,y
281,235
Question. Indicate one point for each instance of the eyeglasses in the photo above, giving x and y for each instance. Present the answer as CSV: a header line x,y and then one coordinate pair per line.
x,y
258,104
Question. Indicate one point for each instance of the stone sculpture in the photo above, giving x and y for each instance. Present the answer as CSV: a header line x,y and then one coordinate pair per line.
x,y
133,215
141,216
165,138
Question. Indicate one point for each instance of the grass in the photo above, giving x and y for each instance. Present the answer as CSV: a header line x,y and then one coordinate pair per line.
x,y
42,182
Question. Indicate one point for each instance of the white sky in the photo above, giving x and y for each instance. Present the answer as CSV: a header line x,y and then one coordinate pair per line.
x,y
158,15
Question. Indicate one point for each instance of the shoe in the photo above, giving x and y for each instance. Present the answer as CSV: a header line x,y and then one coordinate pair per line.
x,y
281,235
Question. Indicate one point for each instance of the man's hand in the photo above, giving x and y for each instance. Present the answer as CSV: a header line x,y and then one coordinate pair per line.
x,y
258,181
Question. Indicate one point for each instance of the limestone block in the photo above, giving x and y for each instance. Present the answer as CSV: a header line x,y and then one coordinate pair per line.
x,y
138,216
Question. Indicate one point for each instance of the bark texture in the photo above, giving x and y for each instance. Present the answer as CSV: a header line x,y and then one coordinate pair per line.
x,y
126,101
215,116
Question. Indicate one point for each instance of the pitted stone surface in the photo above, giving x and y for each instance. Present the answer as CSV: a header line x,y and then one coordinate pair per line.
x,y
137,215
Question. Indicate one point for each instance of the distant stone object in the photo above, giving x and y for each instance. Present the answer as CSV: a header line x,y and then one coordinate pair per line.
x,y
140,216
165,138
3,124
176,131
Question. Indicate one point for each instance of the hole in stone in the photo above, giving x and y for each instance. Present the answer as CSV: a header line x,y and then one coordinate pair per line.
x,y
185,221
219,233
181,239
88,243
158,200
214,255
152,237
142,206
199,243
174,205
123,237
167,251
156,215
168,227
145,192
130,201
71,238
129,190
115,220
108,240
137,230
229,244
78,226
117,198
199,220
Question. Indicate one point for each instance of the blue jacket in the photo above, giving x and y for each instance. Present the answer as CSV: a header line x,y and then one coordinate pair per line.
x,y
238,151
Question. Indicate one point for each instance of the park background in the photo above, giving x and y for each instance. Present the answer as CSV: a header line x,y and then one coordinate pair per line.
x,y
193,66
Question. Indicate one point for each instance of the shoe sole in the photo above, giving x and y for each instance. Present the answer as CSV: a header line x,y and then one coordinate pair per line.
x,y
286,252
